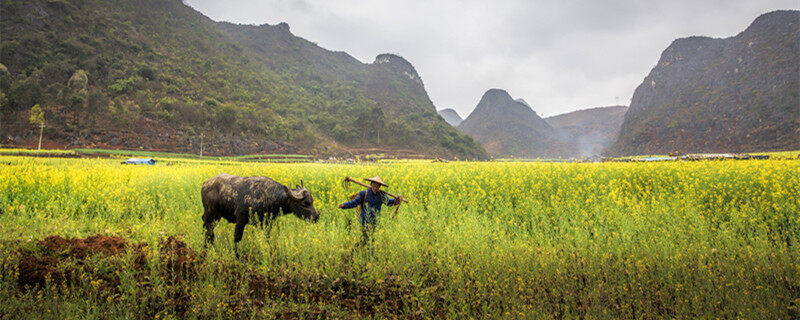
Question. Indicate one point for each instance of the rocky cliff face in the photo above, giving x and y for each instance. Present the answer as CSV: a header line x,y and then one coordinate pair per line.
x,y
451,116
506,127
393,79
720,95
399,65
588,132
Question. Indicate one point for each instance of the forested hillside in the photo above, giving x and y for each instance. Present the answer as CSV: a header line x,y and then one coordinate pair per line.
x,y
156,74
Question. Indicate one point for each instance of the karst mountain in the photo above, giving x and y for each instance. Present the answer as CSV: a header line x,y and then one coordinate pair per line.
x,y
158,75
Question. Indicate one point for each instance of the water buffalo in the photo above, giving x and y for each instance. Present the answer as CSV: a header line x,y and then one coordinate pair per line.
x,y
237,199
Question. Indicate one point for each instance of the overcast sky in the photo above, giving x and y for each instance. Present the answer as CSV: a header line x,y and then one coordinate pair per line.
x,y
559,56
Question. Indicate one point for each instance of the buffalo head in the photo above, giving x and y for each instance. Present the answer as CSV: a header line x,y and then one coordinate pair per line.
x,y
301,202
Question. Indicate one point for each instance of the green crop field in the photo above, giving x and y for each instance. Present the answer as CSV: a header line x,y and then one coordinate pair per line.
x,y
114,153
716,239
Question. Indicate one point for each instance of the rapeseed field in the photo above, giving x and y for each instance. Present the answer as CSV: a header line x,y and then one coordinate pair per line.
x,y
715,239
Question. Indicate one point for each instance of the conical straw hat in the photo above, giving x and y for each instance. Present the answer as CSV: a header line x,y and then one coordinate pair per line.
x,y
377,180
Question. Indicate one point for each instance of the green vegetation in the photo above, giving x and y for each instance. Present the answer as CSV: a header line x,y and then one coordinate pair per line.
x,y
795,154
137,153
95,65
28,152
88,153
479,240
253,157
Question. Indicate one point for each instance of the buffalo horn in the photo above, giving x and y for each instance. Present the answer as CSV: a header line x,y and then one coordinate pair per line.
x,y
297,195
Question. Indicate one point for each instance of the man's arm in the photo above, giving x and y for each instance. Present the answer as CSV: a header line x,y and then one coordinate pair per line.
x,y
353,203
395,201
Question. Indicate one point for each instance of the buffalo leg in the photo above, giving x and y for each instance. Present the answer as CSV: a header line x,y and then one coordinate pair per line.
x,y
238,232
209,226
209,223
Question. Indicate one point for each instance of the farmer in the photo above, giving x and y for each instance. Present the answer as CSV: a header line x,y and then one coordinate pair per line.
x,y
370,202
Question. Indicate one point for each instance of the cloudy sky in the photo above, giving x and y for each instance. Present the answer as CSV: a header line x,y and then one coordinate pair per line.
x,y
559,56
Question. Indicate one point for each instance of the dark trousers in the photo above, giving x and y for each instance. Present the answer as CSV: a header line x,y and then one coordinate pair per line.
x,y
368,221
367,235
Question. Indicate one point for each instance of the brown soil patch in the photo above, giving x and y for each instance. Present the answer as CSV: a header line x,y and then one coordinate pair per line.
x,y
81,248
178,257
34,270
180,263
37,264
58,260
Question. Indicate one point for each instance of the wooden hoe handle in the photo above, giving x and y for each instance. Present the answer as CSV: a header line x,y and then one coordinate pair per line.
x,y
367,186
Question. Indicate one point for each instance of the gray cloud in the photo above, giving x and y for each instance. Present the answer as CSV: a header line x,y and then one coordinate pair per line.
x,y
560,56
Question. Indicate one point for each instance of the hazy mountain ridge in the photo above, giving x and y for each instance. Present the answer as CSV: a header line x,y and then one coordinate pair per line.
x,y
522,101
160,74
588,132
720,95
451,116
507,127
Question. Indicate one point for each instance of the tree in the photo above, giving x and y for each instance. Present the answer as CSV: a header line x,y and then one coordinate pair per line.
x,y
36,115
23,94
378,121
3,104
5,78
95,102
124,112
76,100
5,84
78,81
225,118
363,121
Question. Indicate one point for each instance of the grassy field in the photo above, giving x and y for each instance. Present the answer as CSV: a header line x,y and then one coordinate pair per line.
x,y
712,239
34,152
90,153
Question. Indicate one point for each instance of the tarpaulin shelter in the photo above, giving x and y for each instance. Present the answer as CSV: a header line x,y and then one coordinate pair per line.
x,y
149,161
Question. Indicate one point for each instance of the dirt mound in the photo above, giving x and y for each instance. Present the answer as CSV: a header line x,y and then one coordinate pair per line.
x,y
58,260
43,262
34,271
38,265
178,257
180,263
81,248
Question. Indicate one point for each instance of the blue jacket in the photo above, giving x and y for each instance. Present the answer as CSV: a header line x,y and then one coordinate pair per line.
x,y
372,205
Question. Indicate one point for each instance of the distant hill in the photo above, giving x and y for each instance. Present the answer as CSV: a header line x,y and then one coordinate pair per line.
x,y
720,95
588,132
451,116
507,127
156,74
